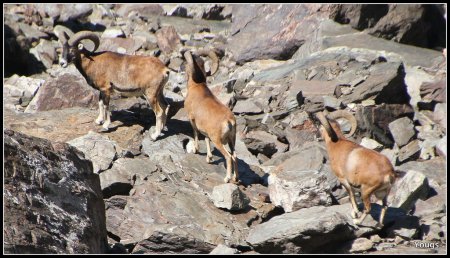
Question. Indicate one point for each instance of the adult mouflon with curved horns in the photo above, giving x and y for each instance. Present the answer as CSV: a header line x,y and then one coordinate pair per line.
x,y
207,114
109,71
356,166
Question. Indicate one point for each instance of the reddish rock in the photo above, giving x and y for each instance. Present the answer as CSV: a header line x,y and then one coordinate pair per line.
x,y
168,39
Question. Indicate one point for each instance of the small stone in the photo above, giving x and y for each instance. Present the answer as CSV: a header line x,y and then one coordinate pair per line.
x,y
402,130
398,240
361,245
375,239
230,197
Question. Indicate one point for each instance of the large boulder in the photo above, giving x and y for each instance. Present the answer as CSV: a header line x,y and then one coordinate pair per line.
x,y
64,12
126,173
142,10
285,32
373,121
230,197
97,148
359,16
299,182
127,46
53,201
330,34
402,130
410,188
311,230
168,39
414,24
68,89
20,90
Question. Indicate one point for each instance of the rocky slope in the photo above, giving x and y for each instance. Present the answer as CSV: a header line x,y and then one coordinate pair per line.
x,y
279,64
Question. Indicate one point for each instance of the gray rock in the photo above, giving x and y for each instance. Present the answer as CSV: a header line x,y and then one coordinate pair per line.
x,y
263,142
433,231
332,102
169,243
144,10
31,32
199,11
230,197
180,226
113,32
45,52
21,90
441,147
299,189
168,39
375,239
373,121
410,26
298,182
360,245
296,118
126,173
330,34
313,88
191,26
224,92
121,45
407,228
304,231
52,200
391,154
284,35
97,148
402,130
410,188
65,12
410,151
440,114
432,205
246,107
371,144
358,16
223,249
433,169
432,93
169,147
384,84
68,89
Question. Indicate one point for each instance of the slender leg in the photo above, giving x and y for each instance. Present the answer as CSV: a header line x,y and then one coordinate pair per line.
x,y
227,156
106,99
351,194
194,128
165,107
101,109
231,144
159,108
365,195
382,195
208,150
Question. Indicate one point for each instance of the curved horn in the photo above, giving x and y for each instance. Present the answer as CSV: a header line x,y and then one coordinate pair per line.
x,y
75,39
346,115
63,33
215,60
324,121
